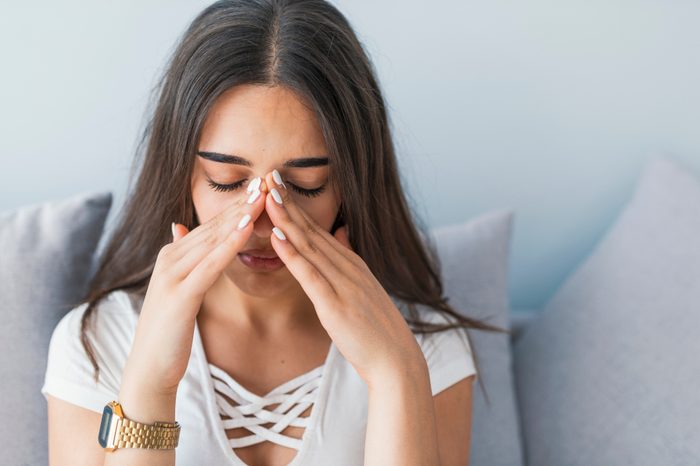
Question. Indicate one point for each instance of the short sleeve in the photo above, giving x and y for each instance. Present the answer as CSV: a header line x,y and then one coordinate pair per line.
x,y
448,353
69,371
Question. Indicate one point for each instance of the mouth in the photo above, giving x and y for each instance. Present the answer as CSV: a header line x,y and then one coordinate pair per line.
x,y
260,253
256,260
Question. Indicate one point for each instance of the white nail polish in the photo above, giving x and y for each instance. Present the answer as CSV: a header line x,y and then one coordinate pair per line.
x,y
278,233
276,176
276,196
255,184
253,196
244,221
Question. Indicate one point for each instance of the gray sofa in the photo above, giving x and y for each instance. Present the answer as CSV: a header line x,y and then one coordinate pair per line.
x,y
606,373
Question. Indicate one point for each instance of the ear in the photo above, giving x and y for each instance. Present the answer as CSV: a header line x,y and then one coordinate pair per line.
x,y
341,234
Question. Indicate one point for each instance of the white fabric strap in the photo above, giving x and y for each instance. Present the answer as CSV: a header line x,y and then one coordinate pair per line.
x,y
251,413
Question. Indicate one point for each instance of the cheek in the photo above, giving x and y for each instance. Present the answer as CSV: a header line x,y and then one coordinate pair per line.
x,y
207,202
322,211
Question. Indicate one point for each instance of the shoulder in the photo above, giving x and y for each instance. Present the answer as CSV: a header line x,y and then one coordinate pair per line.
x,y
70,372
448,352
115,306
112,320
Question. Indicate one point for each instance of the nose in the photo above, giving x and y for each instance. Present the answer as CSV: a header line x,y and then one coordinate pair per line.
x,y
263,185
262,226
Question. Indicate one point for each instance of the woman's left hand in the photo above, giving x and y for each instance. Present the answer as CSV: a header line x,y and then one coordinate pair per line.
x,y
351,304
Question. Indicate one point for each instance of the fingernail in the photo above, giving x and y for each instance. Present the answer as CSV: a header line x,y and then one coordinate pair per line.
x,y
278,233
255,184
172,228
276,196
244,221
253,196
278,179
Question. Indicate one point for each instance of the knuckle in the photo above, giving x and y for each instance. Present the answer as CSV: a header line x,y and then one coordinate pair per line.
x,y
314,274
286,223
309,247
309,227
216,221
357,260
233,238
164,253
210,237
207,262
293,254
167,276
353,288
285,195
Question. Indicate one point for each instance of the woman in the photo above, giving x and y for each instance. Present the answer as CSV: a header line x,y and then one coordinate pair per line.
x,y
265,279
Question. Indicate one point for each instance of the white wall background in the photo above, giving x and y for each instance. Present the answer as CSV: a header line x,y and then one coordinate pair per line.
x,y
548,107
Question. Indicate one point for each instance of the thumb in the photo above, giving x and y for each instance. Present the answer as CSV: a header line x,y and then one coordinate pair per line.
x,y
178,231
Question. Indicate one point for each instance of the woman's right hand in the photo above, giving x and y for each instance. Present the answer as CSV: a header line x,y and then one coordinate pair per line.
x,y
184,270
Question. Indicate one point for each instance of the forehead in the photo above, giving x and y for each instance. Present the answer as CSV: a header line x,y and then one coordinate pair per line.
x,y
261,122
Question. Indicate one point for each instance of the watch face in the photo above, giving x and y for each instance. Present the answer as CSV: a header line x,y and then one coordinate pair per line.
x,y
103,436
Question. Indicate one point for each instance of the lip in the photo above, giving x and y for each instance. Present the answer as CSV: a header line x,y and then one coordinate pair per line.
x,y
262,253
260,264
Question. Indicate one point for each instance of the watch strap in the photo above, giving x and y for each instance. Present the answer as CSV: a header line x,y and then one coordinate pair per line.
x,y
159,435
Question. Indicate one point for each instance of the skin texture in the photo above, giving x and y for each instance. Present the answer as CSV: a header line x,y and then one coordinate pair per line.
x,y
325,291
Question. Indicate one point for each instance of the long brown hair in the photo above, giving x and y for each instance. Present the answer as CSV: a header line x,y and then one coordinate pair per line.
x,y
308,46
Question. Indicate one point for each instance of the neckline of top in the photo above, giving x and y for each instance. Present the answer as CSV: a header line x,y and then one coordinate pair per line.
x,y
235,384
215,418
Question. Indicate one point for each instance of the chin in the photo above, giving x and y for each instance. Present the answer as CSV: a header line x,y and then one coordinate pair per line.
x,y
261,284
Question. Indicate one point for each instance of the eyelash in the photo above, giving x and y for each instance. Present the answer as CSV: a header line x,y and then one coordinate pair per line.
x,y
230,187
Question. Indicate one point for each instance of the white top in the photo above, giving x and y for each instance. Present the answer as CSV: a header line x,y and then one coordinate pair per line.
x,y
334,431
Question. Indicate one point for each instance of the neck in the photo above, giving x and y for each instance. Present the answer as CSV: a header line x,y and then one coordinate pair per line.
x,y
227,305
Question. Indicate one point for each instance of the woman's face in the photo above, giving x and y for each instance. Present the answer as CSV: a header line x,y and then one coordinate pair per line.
x,y
267,127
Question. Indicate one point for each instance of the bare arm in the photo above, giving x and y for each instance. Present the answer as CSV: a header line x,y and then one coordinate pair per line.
x,y
401,427
453,414
73,434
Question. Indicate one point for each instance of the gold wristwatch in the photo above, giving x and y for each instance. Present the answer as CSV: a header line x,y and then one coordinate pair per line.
x,y
116,431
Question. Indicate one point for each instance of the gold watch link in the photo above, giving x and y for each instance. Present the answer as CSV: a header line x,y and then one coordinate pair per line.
x,y
116,431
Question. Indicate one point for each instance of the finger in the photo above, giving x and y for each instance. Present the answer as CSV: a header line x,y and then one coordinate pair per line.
x,y
188,238
311,279
224,219
209,267
307,241
226,227
326,241
345,249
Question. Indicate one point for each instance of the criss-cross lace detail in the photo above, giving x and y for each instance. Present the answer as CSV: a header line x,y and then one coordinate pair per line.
x,y
250,413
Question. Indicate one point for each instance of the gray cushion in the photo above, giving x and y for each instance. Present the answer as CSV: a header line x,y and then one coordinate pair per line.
x,y
474,258
47,252
608,374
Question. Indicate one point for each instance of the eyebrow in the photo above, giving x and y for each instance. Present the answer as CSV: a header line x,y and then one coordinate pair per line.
x,y
302,162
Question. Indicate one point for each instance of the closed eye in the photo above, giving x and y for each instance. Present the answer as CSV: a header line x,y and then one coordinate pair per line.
x,y
233,186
